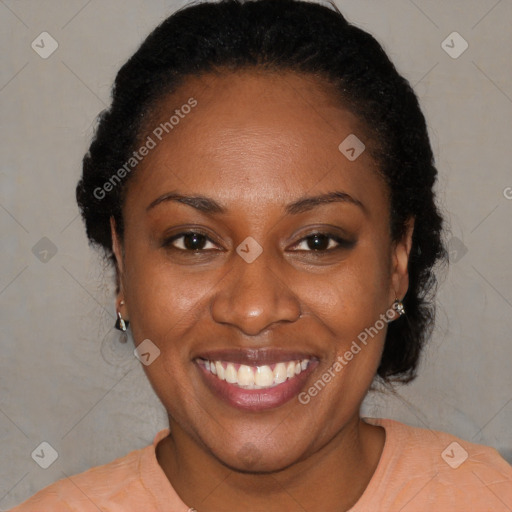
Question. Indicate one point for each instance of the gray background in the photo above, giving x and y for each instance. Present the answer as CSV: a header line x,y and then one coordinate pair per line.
x,y
64,380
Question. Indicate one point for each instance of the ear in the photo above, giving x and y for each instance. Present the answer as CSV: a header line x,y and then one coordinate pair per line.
x,y
118,254
400,262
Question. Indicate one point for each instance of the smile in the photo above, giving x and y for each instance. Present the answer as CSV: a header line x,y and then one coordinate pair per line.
x,y
255,377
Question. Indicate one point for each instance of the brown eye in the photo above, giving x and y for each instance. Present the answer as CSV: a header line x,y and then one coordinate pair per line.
x,y
322,242
190,241
318,242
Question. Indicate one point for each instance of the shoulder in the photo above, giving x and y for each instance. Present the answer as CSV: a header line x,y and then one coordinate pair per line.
x,y
116,486
451,455
438,469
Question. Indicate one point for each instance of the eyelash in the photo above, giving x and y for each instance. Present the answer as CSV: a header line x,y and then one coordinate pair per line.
x,y
168,243
342,243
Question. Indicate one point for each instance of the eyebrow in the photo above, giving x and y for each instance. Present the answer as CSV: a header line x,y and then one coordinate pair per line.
x,y
210,206
308,203
201,203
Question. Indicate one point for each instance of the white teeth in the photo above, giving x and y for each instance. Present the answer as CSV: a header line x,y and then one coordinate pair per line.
x,y
256,377
245,375
279,373
264,376
220,370
231,375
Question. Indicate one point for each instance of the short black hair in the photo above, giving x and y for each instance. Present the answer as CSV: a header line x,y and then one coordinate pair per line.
x,y
280,36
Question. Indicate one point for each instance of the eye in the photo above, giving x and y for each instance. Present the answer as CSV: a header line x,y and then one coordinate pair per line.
x,y
190,241
322,242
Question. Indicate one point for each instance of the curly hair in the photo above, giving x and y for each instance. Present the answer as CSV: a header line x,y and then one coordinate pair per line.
x,y
280,36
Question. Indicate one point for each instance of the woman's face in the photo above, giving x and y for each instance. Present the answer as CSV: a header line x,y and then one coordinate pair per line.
x,y
289,261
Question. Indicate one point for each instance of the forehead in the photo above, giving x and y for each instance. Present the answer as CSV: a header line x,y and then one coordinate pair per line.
x,y
252,138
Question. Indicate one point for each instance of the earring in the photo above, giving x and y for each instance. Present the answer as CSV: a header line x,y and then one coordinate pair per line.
x,y
121,325
398,306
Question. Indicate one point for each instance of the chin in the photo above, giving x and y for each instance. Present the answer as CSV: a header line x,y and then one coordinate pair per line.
x,y
260,456
250,460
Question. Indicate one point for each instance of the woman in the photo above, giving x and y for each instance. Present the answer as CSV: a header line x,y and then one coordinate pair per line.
x,y
263,183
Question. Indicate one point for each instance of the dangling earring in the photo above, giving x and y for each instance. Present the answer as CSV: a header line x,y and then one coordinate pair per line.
x,y
115,348
121,324
398,306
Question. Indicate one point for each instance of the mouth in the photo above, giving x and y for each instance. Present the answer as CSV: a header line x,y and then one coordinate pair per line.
x,y
255,380
264,376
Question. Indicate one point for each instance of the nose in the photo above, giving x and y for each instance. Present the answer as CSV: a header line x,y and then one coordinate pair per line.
x,y
253,297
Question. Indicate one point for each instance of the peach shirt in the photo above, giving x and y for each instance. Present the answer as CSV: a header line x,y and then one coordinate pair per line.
x,y
419,471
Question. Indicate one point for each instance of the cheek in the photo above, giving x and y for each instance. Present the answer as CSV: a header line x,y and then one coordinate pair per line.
x,y
167,304
349,308
168,308
352,298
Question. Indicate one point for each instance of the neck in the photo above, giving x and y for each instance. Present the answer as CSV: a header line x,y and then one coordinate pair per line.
x,y
332,479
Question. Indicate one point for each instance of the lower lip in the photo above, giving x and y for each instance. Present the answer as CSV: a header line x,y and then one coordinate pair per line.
x,y
256,399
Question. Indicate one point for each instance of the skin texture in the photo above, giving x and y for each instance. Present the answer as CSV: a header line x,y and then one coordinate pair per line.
x,y
254,143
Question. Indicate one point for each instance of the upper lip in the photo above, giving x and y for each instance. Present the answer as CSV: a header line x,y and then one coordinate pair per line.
x,y
254,357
